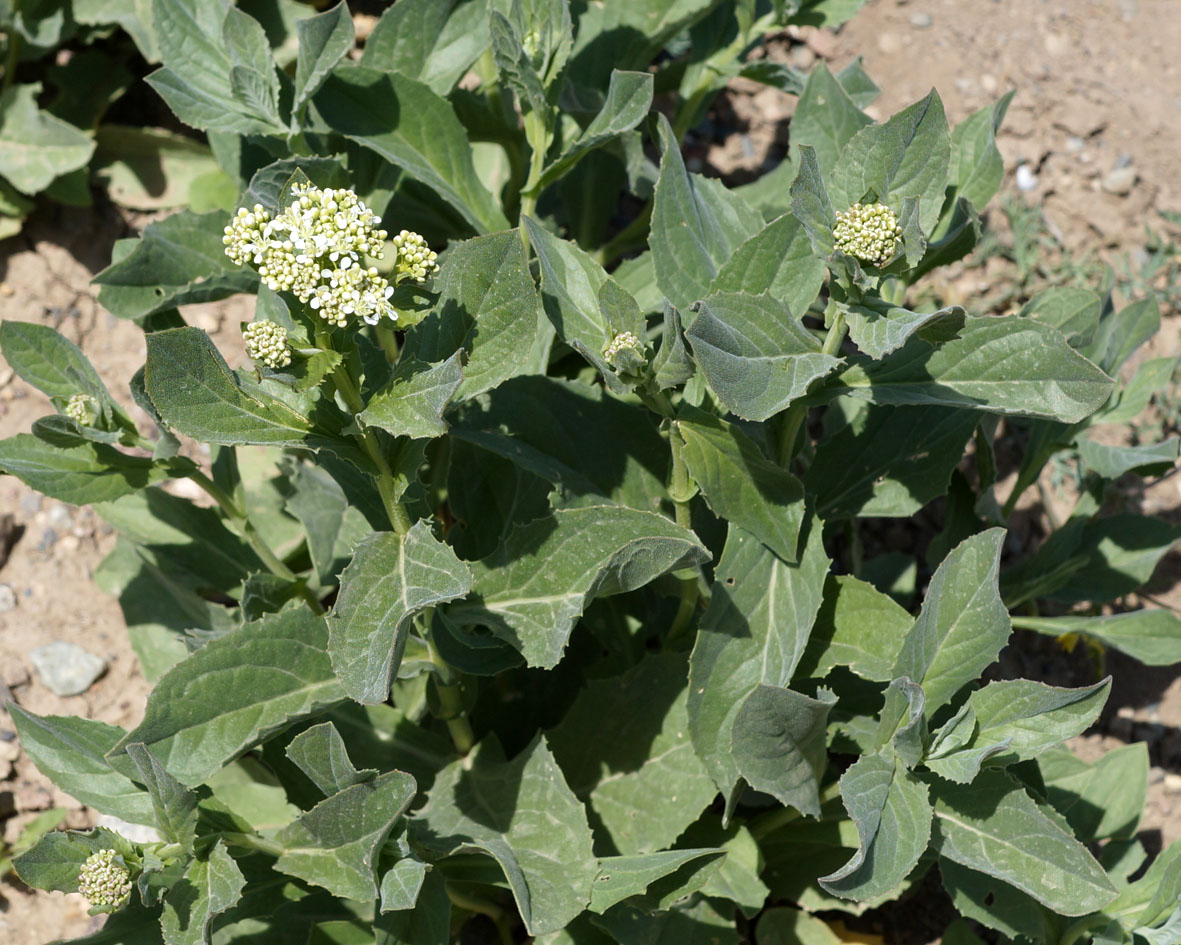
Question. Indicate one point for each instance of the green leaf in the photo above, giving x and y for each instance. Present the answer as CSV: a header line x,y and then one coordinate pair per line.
x,y
994,827
410,126
857,626
778,743
1111,462
963,623
1006,365
1011,721
697,224
811,205
737,878
522,813
402,883
1151,636
533,589
825,118
36,147
174,804
976,168
888,461
196,80
907,156
235,692
672,366
335,845
49,361
428,923
541,425
321,754
55,861
179,260
70,751
756,357
879,330
198,395
391,579
777,260
134,16
624,747
514,62
629,97
1116,555
154,169
487,308
1073,311
650,874
1121,333
740,484
997,905
209,887
754,632
786,926
1150,378
267,184
324,40
571,286
1100,799
413,402
433,41
253,82
333,526
893,815
79,475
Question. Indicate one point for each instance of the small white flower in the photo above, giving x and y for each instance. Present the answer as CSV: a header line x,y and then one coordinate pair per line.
x,y
103,881
81,408
266,343
869,232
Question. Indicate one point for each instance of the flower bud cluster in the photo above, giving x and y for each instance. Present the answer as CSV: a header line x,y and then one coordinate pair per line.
x,y
416,260
313,248
266,343
869,232
103,881
81,409
623,350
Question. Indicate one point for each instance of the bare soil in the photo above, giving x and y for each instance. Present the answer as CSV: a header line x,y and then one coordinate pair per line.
x,y
1099,89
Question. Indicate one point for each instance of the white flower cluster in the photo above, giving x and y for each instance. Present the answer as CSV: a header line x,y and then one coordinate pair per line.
x,y
103,881
624,341
314,247
870,232
81,409
266,343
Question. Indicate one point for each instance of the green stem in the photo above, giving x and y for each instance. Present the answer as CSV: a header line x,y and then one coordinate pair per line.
x,y
1084,925
631,236
254,842
682,494
346,386
388,341
1027,477
237,515
482,907
770,822
836,335
451,708
789,431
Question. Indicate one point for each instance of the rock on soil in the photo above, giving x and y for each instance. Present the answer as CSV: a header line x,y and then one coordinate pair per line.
x,y
68,670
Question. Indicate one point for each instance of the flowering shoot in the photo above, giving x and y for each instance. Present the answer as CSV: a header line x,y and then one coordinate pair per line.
x,y
103,881
266,343
869,232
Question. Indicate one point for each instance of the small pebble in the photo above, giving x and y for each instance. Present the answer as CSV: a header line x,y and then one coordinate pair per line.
x,y
801,57
66,669
30,504
1120,181
1172,783
7,598
60,518
1026,179
921,21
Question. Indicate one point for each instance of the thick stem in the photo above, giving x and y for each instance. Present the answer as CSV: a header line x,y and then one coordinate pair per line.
x,y
770,822
789,431
682,493
451,709
346,386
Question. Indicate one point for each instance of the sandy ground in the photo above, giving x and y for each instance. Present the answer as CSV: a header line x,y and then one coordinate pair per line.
x,y
1098,90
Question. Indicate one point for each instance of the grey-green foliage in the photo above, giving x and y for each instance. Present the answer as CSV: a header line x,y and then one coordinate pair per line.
x,y
590,511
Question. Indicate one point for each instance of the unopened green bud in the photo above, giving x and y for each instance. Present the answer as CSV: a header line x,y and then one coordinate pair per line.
x,y
81,409
625,353
266,343
869,232
103,881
